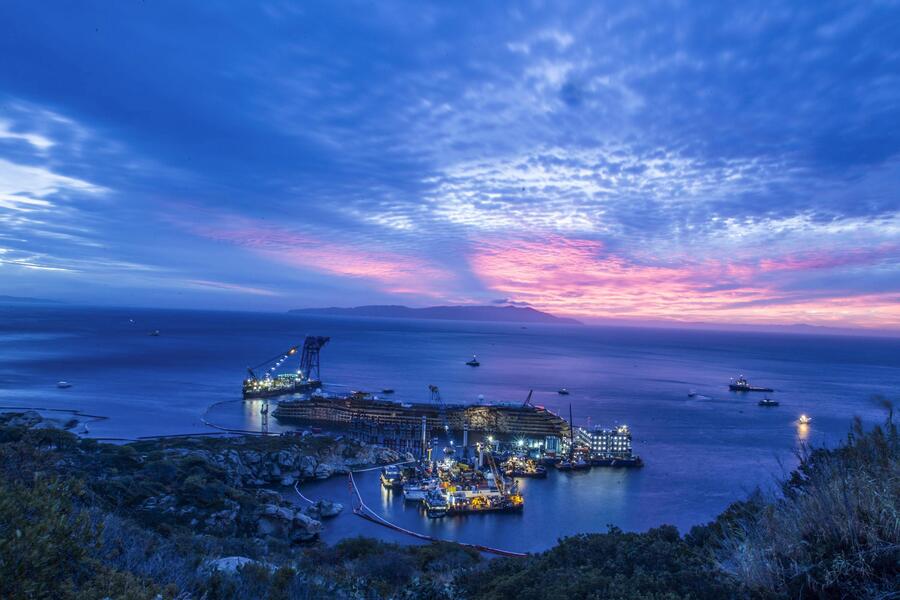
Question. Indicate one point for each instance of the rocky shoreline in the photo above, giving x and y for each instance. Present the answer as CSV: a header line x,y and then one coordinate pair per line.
x,y
206,519
232,486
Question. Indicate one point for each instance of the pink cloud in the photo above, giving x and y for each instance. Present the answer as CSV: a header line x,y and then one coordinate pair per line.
x,y
581,278
356,259
821,259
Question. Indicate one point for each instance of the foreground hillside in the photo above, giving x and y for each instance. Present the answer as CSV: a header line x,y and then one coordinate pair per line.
x,y
202,519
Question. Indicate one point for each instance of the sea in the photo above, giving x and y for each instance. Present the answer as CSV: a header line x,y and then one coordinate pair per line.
x,y
701,453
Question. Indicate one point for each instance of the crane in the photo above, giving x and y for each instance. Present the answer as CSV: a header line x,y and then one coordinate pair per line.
x,y
439,402
527,402
275,361
309,359
500,482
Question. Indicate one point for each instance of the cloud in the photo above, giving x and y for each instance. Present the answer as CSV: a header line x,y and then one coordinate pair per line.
x,y
231,287
25,187
583,278
713,161
35,139
389,271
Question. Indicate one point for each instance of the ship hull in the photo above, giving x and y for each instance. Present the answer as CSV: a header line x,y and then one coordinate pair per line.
x,y
517,420
297,388
748,388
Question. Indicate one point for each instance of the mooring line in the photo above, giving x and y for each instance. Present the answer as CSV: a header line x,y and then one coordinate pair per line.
x,y
73,411
367,513
209,423
297,489
375,468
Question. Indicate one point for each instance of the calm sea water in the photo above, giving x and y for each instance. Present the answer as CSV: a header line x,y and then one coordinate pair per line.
x,y
701,453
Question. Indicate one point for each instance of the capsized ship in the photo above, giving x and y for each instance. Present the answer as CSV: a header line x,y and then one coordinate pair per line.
x,y
742,385
524,420
271,382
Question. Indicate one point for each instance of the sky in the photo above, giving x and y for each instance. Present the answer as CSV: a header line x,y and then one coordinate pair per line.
x,y
687,161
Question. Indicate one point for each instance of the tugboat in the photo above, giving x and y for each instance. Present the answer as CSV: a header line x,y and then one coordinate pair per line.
x,y
391,478
628,462
804,420
563,465
474,362
435,504
563,392
768,402
742,385
524,467
581,465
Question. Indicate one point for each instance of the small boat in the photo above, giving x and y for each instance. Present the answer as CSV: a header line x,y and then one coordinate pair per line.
x,y
391,477
628,462
63,384
563,465
804,420
416,492
581,465
154,333
742,385
435,504
387,391
316,429
474,362
602,461
562,392
768,402
692,393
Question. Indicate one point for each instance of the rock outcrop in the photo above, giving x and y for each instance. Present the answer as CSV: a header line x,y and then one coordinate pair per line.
x,y
284,467
285,522
31,419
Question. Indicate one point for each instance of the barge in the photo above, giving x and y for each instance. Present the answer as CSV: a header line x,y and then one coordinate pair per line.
x,y
272,383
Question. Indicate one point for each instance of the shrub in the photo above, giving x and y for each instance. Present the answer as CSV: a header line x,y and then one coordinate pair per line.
x,y
655,564
834,531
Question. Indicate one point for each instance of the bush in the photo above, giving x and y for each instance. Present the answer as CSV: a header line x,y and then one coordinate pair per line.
x,y
835,529
46,544
656,564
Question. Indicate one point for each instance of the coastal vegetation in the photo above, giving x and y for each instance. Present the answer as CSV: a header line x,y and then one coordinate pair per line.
x,y
203,518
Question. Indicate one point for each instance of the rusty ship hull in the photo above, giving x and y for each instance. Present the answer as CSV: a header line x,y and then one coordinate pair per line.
x,y
527,421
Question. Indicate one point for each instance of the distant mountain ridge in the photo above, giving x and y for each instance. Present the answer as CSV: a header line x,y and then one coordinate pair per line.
x,y
497,314
26,300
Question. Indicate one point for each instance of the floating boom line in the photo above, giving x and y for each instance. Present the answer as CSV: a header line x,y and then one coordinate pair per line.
x,y
361,510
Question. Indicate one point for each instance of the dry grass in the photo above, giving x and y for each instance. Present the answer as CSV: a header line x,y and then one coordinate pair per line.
x,y
833,531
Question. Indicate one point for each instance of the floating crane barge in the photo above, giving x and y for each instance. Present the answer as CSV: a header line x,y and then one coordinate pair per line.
x,y
272,383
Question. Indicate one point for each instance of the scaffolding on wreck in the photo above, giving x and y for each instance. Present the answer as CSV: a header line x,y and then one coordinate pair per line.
x,y
403,438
